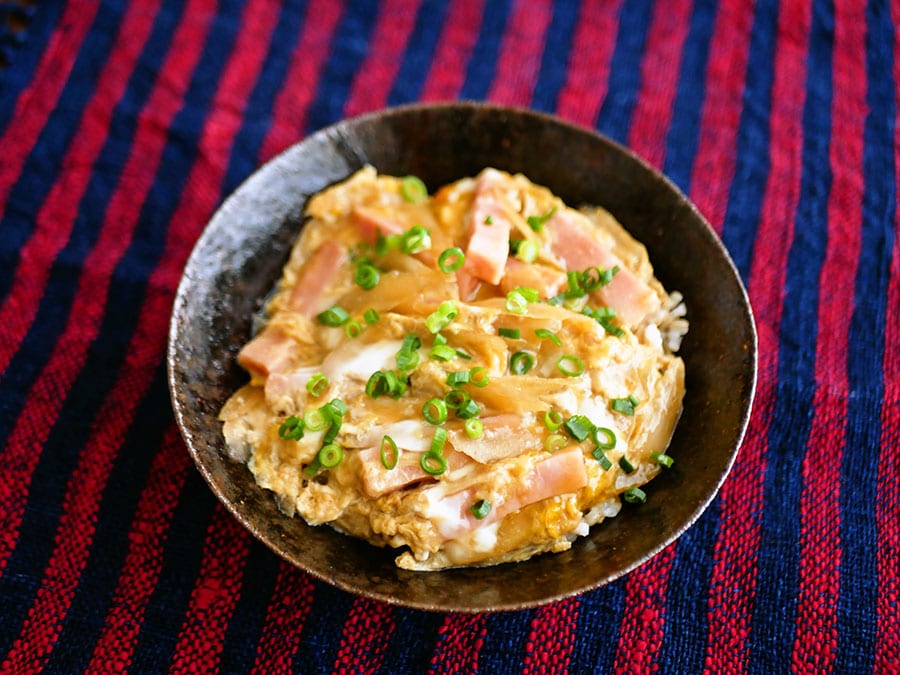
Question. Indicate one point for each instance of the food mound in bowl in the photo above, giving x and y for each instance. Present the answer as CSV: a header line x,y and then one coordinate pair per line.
x,y
474,377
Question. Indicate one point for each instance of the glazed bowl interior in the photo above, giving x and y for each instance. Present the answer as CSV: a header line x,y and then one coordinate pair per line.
x,y
239,257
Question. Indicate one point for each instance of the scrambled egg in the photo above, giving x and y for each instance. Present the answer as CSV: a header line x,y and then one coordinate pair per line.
x,y
472,377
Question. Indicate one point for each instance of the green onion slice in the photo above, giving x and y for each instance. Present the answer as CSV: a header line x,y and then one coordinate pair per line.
x,y
634,495
625,405
570,365
317,384
479,376
602,459
451,259
458,377
432,463
512,333
353,329
455,398
481,509
408,356
442,316
578,427
527,251
553,420
315,420
516,302
468,410
334,317
331,455
434,411
604,438
663,459
413,189
415,239
390,453
536,223
291,429
545,334
521,362
371,316
367,276
442,352
555,442
626,465
474,428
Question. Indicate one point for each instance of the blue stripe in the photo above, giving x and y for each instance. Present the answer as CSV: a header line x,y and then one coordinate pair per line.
x,y
625,70
271,80
504,642
777,580
42,168
17,74
857,607
110,541
249,617
182,557
602,608
483,61
351,44
322,630
412,640
419,54
557,52
683,137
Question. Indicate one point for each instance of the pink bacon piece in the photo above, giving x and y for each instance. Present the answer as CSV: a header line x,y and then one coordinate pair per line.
x,y
488,246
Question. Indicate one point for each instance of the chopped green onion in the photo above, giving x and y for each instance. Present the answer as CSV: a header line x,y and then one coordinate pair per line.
x,y
575,287
438,440
626,465
315,420
451,259
385,382
458,377
331,455
317,384
385,244
479,376
291,429
634,495
569,365
594,277
663,459
603,460
442,316
625,405
334,411
529,293
434,411
456,398
516,302
474,428
371,316
545,334
313,467
442,352
415,239
521,362
608,441
468,410
413,189
528,251
578,427
489,219
390,453
555,442
461,354
353,329
536,223
512,333
334,317
367,276
439,339
408,356
553,420
433,461
481,509
396,386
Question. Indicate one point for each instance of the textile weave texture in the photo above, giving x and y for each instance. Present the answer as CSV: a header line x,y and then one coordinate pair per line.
x,y
123,125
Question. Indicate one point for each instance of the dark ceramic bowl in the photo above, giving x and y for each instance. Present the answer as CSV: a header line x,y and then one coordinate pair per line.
x,y
239,257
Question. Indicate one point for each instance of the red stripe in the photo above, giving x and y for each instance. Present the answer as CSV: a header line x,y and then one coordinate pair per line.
x,y
143,562
887,501
291,602
365,637
644,619
45,398
733,578
460,639
218,588
57,214
815,643
587,77
458,38
302,79
726,74
519,61
551,638
372,84
41,97
68,358
659,79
